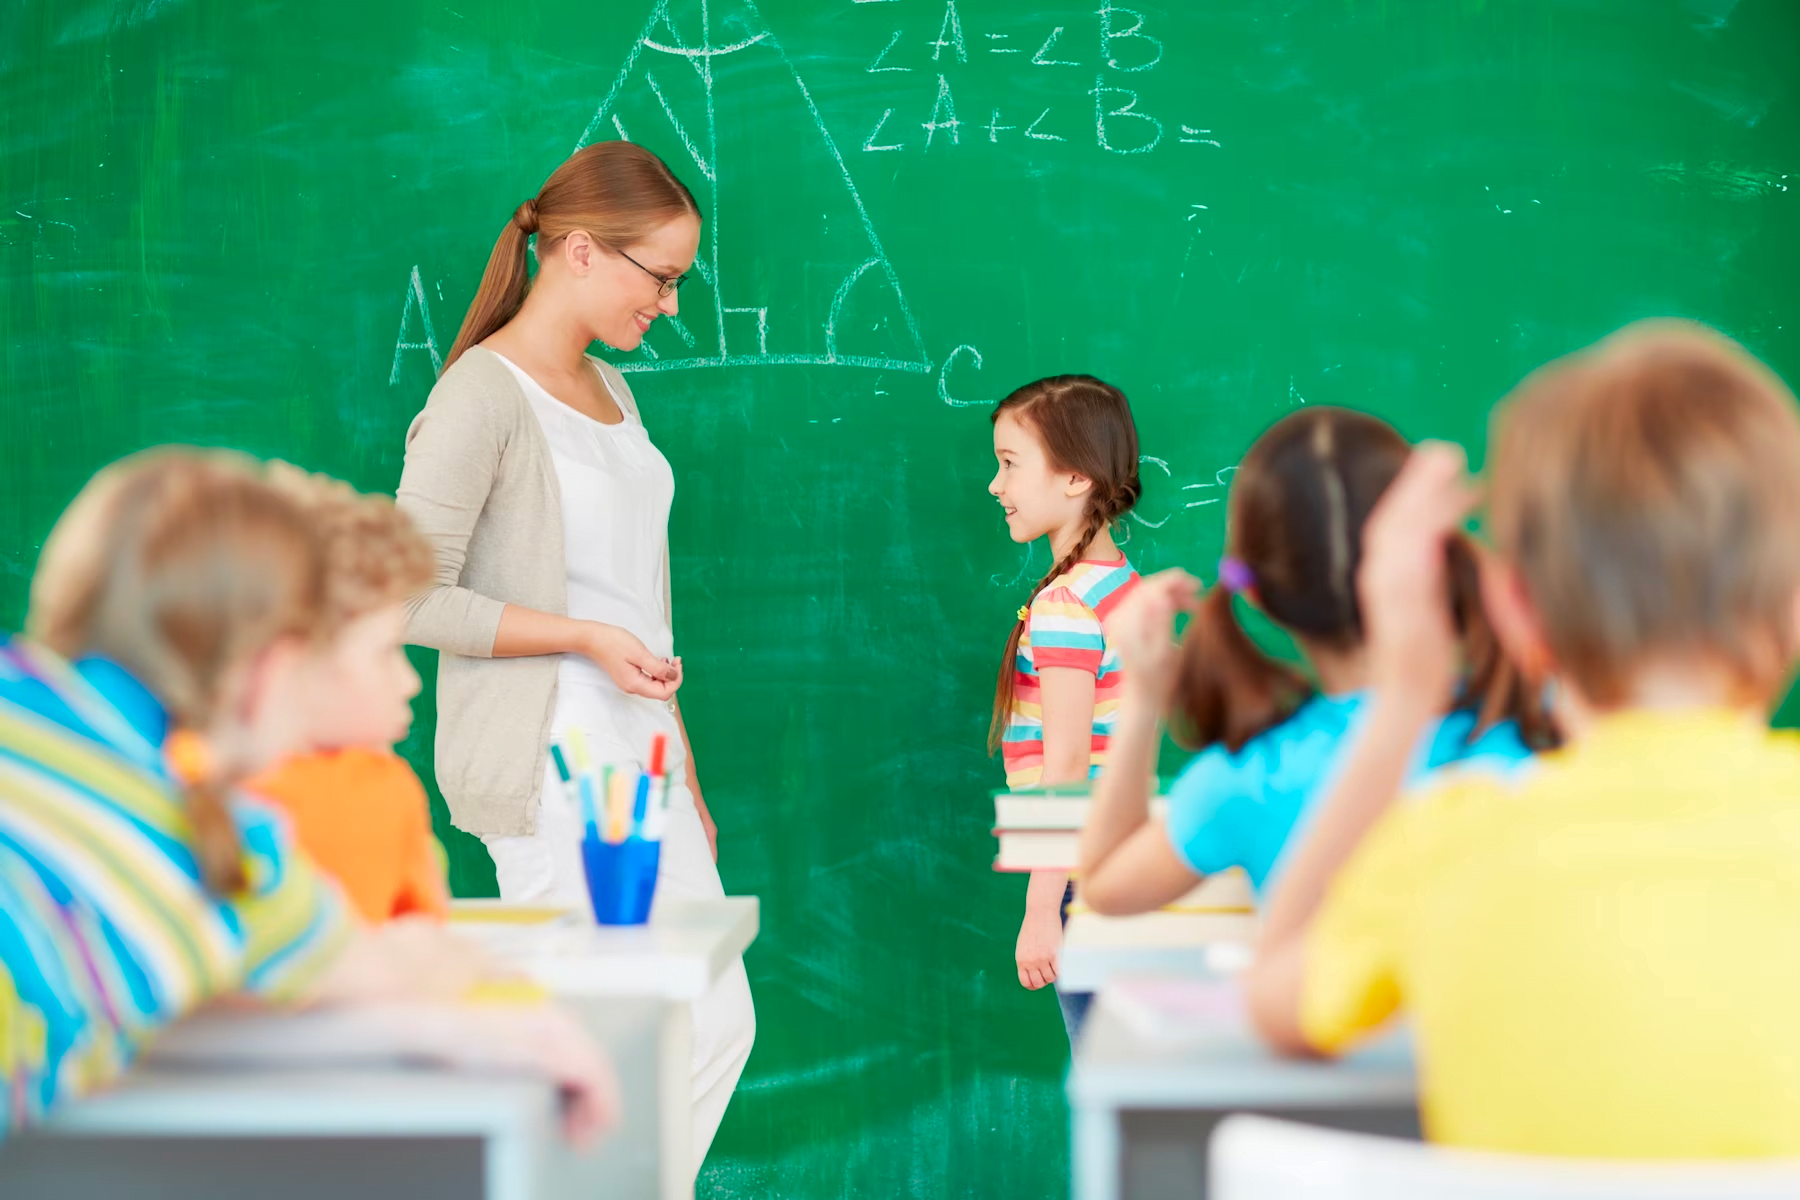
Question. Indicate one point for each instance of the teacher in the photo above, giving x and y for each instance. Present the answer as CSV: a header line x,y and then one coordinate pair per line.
x,y
548,505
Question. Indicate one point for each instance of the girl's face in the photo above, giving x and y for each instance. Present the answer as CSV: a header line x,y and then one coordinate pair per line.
x,y
616,289
263,711
1038,499
364,684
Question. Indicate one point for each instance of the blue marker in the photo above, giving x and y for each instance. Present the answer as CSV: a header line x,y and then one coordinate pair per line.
x,y
640,806
587,803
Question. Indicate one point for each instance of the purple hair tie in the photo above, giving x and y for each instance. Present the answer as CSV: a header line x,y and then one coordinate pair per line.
x,y
1235,576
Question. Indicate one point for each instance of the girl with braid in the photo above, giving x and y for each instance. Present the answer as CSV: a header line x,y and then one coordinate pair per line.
x,y
1270,738
1068,471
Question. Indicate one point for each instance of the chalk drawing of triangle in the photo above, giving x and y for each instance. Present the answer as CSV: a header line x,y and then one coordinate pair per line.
x,y
790,269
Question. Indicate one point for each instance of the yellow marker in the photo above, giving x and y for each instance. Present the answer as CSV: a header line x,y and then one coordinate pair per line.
x,y
505,991
578,743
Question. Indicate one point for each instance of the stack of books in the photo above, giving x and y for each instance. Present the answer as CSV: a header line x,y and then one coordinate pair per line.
x,y
1038,830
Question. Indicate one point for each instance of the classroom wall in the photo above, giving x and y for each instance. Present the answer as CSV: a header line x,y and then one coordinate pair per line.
x,y
259,225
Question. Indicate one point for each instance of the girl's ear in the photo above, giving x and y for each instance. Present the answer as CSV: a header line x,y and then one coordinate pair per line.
x,y
266,705
1515,619
1077,485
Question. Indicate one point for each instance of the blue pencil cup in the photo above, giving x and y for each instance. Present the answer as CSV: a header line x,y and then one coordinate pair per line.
x,y
621,878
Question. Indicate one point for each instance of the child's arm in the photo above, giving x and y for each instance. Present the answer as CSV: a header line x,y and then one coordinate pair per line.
x,y
1127,862
1067,699
1403,590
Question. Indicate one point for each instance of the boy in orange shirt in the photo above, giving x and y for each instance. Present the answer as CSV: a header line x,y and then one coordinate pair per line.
x,y
356,806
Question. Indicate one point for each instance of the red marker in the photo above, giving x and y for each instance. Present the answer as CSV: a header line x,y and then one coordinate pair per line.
x,y
659,746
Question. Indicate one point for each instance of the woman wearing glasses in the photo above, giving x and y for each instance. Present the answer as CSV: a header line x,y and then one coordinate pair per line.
x,y
548,505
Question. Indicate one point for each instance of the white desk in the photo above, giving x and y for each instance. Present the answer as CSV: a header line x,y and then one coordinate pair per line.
x,y
674,959
390,1131
1143,1109
376,1130
1092,953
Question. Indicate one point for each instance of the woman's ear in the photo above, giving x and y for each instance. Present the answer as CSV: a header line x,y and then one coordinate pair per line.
x,y
579,252
1515,619
1077,485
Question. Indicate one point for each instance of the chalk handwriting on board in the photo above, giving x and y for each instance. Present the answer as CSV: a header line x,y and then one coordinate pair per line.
x,y
1138,516
869,142
1121,124
415,300
875,68
661,46
1038,59
950,36
943,115
1111,119
1189,497
1111,35
943,379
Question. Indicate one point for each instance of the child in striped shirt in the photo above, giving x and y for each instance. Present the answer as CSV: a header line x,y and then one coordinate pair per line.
x,y
1068,471
175,620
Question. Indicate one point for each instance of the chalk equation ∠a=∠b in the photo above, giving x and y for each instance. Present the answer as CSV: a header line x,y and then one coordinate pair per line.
x,y
1123,47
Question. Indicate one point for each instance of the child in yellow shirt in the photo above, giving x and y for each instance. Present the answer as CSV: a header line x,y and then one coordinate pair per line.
x,y
1596,951
356,806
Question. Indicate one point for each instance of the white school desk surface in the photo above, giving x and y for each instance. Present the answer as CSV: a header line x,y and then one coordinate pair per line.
x,y
678,955
674,958
1088,958
307,1122
1223,1069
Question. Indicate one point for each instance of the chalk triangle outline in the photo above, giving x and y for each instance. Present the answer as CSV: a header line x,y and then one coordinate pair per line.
x,y
700,59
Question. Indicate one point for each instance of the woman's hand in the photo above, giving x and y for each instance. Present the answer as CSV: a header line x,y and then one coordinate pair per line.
x,y
628,661
1142,628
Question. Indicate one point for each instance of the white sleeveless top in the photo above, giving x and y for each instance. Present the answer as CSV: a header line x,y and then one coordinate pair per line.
x,y
616,491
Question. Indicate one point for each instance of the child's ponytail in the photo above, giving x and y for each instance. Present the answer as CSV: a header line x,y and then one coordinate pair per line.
x,y
1228,690
182,566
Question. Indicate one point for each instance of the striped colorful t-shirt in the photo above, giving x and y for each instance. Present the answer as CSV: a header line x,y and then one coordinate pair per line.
x,y
1064,630
106,932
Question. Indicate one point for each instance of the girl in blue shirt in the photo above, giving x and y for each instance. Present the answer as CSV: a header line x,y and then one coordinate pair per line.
x,y
1268,737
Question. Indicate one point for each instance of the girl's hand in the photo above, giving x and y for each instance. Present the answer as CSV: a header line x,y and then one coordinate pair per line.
x,y
543,1039
1040,940
1403,583
1142,629
635,670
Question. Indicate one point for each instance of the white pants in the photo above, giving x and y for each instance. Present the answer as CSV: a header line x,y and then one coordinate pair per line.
x,y
545,867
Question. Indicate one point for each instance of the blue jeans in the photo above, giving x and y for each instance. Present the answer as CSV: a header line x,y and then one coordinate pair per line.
x,y
1074,1005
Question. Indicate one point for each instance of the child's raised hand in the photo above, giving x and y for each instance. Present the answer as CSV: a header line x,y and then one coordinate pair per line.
x,y
1142,629
1404,583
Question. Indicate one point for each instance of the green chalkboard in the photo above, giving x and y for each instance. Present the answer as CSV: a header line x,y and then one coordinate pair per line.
x,y
259,224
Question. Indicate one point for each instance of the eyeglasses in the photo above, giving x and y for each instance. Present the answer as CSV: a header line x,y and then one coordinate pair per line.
x,y
664,283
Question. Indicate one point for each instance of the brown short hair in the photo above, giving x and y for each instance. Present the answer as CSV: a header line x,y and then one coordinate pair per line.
x,y
374,555
1645,489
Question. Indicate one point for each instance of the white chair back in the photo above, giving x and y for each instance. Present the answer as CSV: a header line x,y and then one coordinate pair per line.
x,y
1259,1158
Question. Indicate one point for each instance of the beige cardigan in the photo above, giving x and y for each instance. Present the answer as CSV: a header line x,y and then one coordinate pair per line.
x,y
481,485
